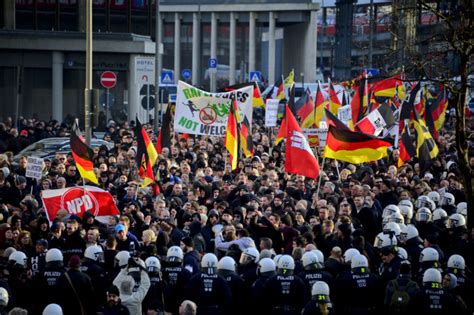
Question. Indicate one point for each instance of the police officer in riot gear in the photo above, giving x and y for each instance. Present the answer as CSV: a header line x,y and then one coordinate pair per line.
x,y
320,303
313,271
210,291
226,268
457,266
176,276
46,282
266,269
157,294
432,298
353,289
92,266
284,292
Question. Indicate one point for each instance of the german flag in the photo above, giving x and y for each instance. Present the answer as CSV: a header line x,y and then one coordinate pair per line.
x,y
82,154
304,106
426,148
231,135
257,95
246,141
358,103
164,137
317,114
388,87
407,149
355,147
334,103
436,112
146,155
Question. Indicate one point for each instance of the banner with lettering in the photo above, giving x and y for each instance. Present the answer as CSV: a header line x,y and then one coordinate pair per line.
x,y
203,113
78,200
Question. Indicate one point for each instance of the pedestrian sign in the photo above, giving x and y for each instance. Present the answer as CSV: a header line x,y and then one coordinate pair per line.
x,y
186,74
212,63
255,76
167,77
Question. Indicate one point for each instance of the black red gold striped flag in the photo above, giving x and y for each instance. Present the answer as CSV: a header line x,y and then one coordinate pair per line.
x,y
407,149
436,112
146,155
355,147
332,120
231,135
164,137
246,141
334,103
83,155
313,119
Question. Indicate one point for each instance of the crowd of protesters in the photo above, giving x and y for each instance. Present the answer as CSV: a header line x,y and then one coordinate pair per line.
x,y
369,239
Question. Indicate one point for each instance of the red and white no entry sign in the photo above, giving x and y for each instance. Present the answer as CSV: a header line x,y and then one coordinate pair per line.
x,y
108,79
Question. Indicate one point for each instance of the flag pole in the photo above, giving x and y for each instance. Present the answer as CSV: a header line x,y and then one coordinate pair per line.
x,y
337,169
320,177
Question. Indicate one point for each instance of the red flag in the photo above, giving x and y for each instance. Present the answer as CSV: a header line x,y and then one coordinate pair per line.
x,y
299,157
78,200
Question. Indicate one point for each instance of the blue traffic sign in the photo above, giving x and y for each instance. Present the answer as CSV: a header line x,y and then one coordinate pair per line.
x,y
372,72
255,76
186,74
212,63
167,76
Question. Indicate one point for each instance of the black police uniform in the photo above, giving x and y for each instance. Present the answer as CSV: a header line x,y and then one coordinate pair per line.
x,y
310,277
433,300
177,278
157,296
210,292
99,278
284,295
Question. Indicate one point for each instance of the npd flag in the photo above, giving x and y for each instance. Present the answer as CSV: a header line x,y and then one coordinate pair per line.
x,y
78,200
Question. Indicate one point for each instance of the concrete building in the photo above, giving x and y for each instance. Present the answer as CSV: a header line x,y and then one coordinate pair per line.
x,y
42,48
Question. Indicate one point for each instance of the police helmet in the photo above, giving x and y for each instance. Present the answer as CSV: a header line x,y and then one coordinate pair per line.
x,y
389,210
286,262
53,309
309,260
249,255
121,258
385,240
320,290
266,266
392,228
396,217
359,261
432,275
456,262
429,254
276,259
456,220
7,252
434,196
18,259
209,260
320,255
54,254
351,252
406,203
409,232
407,212
448,200
423,215
462,208
152,264
440,214
95,253
226,263
424,201
175,254
402,253
3,297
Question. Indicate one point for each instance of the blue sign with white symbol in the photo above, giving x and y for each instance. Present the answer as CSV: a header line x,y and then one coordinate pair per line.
x,y
212,63
255,76
372,72
167,76
186,74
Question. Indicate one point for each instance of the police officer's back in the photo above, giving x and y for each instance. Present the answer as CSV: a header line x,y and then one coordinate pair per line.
x,y
313,271
358,291
227,269
320,303
284,292
157,294
93,256
266,270
209,290
432,298
47,281
176,276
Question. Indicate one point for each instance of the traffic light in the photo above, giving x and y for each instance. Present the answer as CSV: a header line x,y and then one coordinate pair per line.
x,y
147,96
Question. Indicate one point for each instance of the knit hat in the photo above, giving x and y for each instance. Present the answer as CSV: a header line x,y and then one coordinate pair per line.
x,y
113,290
74,261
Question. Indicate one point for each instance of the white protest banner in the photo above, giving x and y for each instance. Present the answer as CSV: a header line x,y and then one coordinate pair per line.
x,y
316,136
34,168
344,113
271,111
203,113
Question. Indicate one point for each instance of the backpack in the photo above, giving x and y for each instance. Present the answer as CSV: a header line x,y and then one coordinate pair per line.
x,y
400,297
